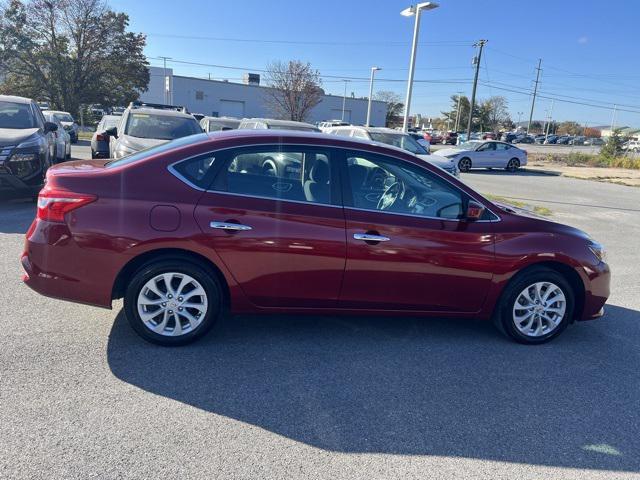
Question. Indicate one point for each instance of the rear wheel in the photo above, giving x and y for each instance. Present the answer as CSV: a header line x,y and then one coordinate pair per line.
x,y
513,165
464,165
536,306
172,302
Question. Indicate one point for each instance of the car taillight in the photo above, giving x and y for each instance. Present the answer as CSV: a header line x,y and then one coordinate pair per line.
x,y
53,205
101,138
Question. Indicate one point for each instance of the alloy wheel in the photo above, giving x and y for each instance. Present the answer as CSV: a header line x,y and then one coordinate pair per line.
x,y
172,304
464,165
539,309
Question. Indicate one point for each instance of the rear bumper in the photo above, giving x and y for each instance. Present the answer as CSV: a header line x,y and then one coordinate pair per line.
x,y
56,266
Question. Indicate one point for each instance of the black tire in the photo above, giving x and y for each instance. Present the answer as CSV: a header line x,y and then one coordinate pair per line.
x,y
93,154
207,280
503,316
513,165
464,164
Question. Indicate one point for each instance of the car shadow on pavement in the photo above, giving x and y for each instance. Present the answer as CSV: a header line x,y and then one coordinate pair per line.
x,y
410,386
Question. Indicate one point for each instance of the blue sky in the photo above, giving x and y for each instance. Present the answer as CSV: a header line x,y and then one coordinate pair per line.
x,y
589,49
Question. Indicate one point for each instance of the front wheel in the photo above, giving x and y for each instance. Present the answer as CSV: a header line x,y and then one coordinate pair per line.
x,y
464,165
172,302
536,307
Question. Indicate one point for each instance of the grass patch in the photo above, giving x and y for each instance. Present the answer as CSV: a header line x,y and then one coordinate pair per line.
x,y
515,203
579,159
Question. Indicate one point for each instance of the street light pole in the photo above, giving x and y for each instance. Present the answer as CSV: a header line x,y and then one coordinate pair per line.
x,y
165,83
408,12
373,71
344,98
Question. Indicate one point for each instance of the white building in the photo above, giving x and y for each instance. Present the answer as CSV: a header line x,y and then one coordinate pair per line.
x,y
243,100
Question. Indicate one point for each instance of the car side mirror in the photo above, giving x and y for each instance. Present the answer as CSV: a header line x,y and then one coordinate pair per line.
x,y
111,132
50,127
475,211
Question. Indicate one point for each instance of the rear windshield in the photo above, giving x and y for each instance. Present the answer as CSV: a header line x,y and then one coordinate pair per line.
x,y
398,140
141,155
160,127
16,115
64,117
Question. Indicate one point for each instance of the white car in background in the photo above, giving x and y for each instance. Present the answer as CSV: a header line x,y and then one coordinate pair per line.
x,y
486,154
62,138
397,139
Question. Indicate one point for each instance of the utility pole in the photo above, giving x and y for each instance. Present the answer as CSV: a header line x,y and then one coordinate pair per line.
x,y
613,118
481,45
535,92
165,81
458,112
546,135
344,98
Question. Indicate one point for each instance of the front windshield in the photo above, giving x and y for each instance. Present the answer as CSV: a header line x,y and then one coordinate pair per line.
x,y
16,115
399,140
64,117
160,127
469,145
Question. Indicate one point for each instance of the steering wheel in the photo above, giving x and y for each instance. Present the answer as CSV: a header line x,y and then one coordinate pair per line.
x,y
391,196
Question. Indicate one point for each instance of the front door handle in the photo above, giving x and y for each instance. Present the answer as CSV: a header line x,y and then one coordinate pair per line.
x,y
368,237
230,226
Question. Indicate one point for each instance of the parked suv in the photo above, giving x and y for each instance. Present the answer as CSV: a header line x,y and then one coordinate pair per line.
x,y
27,145
215,124
145,125
397,139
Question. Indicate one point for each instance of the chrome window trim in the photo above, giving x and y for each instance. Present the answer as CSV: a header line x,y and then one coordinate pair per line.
x,y
176,174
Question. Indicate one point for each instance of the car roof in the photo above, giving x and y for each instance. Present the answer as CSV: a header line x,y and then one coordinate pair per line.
x,y
226,119
14,99
57,111
161,111
372,129
274,121
109,117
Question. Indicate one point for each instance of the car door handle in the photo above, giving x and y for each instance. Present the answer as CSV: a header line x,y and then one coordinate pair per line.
x,y
368,237
230,226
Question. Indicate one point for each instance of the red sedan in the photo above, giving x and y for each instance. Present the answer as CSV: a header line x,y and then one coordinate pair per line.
x,y
264,222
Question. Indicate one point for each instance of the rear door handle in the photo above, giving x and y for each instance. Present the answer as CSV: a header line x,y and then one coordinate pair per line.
x,y
368,237
230,226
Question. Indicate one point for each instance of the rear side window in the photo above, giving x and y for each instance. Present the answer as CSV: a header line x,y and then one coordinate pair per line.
x,y
295,174
197,171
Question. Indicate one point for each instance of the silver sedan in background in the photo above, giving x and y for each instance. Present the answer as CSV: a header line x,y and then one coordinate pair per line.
x,y
486,154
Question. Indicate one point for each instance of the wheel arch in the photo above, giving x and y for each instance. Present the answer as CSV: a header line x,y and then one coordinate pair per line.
x,y
567,271
133,265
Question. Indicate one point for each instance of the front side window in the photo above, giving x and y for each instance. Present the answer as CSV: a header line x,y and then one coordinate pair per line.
x,y
487,147
383,184
295,174
160,127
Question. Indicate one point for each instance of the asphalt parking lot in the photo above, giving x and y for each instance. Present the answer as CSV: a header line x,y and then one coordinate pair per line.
x,y
81,396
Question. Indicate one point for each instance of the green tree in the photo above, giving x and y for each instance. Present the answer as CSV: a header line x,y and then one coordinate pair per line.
x,y
569,128
70,53
613,146
452,114
395,107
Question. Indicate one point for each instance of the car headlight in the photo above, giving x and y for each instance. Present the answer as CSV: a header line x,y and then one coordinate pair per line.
x,y
35,144
451,155
598,250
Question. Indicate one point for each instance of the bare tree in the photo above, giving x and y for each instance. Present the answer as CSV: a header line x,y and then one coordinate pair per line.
x,y
295,89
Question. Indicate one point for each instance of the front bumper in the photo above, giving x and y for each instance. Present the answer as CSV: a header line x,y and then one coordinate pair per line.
x,y
597,291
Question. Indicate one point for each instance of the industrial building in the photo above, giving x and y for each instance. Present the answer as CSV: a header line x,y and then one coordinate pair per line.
x,y
221,98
